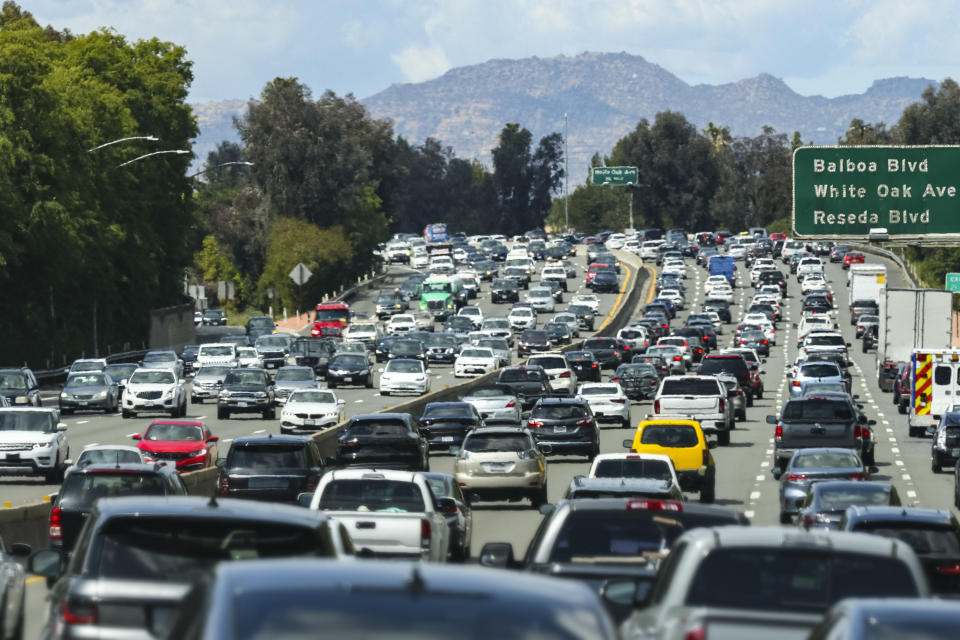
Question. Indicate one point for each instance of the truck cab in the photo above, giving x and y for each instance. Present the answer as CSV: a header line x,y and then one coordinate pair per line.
x,y
442,297
330,320
934,387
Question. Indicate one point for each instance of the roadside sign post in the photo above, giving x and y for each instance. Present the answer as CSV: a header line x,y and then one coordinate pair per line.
x,y
909,193
614,176
952,282
300,274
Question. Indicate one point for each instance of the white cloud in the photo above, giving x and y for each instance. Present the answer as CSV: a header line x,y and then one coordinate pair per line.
x,y
419,63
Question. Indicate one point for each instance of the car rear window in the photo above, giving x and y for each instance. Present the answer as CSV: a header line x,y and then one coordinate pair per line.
x,y
592,533
549,363
633,468
735,366
923,538
372,495
519,375
819,371
818,409
690,387
670,435
558,411
257,456
377,428
487,442
81,490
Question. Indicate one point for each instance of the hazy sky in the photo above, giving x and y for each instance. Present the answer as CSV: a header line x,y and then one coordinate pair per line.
x,y
817,47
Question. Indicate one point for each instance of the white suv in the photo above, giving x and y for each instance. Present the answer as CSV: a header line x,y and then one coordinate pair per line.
x,y
221,353
522,318
33,441
154,390
563,379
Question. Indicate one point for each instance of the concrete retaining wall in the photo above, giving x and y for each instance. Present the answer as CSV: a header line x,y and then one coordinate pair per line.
x,y
29,523
172,327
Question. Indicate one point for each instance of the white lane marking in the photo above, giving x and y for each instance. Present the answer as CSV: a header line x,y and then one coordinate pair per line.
x,y
879,414
227,440
769,452
358,401
130,435
889,430
886,422
894,450
906,476
899,463
765,464
760,477
92,444
199,417
259,431
82,421
911,494
749,514
754,495
892,439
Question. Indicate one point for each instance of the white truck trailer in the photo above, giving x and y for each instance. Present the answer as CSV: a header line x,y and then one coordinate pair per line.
x,y
866,281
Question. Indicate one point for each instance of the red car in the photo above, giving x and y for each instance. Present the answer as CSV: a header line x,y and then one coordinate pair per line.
x,y
852,257
188,443
775,236
592,271
330,320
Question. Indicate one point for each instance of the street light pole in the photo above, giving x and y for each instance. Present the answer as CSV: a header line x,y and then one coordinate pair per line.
x,y
155,153
223,164
566,177
107,144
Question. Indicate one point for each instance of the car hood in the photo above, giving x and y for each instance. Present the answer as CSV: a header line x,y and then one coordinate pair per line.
x,y
295,384
26,436
138,387
311,407
91,389
170,446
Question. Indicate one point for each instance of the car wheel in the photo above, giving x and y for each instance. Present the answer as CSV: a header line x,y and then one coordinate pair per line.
x,y
369,384
935,465
742,415
127,414
749,401
915,432
785,518
196,400
384,393
708,492
902,408
270,414
626,423
760,394
723,438
222,414
539,497
66,412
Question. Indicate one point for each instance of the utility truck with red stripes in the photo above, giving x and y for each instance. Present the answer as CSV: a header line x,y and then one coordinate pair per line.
x,y
934,387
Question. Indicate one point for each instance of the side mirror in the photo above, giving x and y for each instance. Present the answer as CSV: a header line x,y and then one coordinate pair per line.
x,y
777,472
61,427
429,372
545,448
136,436
546,509
304,499
213,438
772,420
47,563
330,462
497,554
341,402
871,422
447,505
628,444
380,370
847,343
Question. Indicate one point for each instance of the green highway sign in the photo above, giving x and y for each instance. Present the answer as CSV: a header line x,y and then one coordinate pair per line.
x,y
953,282
911,192
614,175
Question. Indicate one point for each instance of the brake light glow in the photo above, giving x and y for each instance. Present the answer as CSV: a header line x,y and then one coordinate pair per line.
x,y
224,485
778,432
654,505
857,476
534,423
77,613
949,569
565,374
583,421
793,477
56,531
656,406
511,404
425,534
723,404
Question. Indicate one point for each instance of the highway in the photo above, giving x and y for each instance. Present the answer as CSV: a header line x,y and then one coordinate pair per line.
x,y
744,480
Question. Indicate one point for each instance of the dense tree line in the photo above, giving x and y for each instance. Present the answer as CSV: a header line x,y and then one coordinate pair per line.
x,y
82,237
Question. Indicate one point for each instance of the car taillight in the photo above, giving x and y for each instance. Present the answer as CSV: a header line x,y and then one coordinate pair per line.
x,y
697,633
778,432
511,404
56,531
857,431
583,421
73,612
656,406
647,504
722,405
857,476
793,477
425,534
677,358
224,485
565,374
795,383
620,400
763,342
534,423
593,366
949,569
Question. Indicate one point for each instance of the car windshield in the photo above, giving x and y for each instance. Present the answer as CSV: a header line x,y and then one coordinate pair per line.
x,y
212,371
818,409
15,381
273,456
690,387
245,377
161,356
320,397
824,461
520,375
295,375
349,360
178,548
476,353
861,493
633,468
925,538
27,421
489,442
86,380
246,352
670,435
436,287
399,366
81,490
599,390
118,371
795,579
332,315
819,371
170,432
152,377
372,495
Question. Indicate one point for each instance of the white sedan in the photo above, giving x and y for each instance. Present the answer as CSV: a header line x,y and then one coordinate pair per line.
x,y
761,320
813,283
401,323
311,409
588,300
723,293
607,401
404,375
522,318
475,361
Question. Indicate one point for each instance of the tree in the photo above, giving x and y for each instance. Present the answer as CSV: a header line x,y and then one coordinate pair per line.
x,y
525,182
934,120
861,133
719,136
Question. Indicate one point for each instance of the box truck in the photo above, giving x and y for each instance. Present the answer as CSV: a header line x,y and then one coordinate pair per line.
x,y
910,319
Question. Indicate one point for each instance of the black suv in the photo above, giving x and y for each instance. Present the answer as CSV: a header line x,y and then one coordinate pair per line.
x,y
386,440
446,424
83,486
567,425
20,386
274,468
529,383
584,316
248,390
138,556
504,290
314,352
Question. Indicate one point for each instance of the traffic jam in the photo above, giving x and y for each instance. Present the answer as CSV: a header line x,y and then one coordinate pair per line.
x,y
723,461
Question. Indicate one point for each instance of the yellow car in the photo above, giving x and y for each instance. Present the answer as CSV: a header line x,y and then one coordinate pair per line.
x,y
682,440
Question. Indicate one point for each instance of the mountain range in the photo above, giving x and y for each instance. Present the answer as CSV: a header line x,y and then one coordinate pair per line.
x,y
604,95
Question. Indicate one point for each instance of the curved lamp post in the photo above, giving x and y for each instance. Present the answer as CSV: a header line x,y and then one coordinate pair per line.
x,y
155,153
107,144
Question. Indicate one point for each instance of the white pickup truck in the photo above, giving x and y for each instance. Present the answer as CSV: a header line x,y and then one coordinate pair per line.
x,y
387,513
702,398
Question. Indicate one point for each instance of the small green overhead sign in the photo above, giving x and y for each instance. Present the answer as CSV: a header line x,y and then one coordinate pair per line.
x,y
614,175
953,282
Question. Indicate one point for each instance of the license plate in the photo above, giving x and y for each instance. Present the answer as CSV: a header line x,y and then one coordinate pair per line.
x,y
267,483
496,467
446,439
955,453
243,404
13,457
83,403
598,414
348,378
559,429
309,423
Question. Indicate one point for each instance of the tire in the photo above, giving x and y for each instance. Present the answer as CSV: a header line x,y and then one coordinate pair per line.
x,y
760,394
66,412
626,424
902,408
175,412
127,414
270,414
749,402
785,518
331,385
384,393
915,432
369,384
708,493
723,438
935,465
741,415
196,400
222,415
539,497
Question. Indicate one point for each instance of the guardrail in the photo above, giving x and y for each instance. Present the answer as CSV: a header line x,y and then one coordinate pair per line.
x,y
28,523
905,268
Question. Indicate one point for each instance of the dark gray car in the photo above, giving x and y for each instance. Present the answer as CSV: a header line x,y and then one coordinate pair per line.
x,y
89,391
